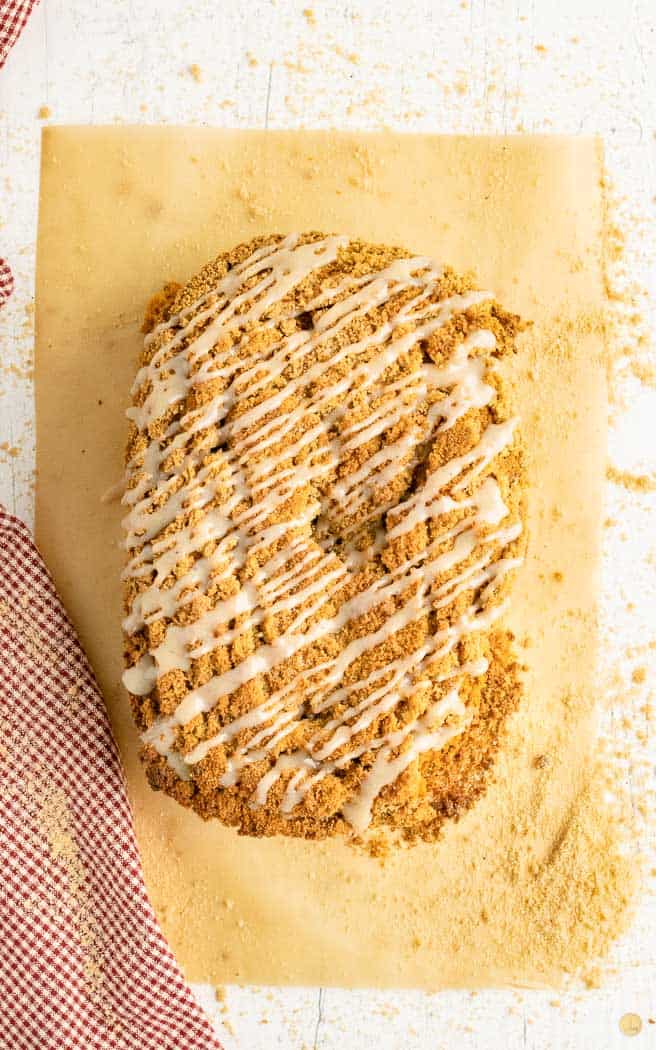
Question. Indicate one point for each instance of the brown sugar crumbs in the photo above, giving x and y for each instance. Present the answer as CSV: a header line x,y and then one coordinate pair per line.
x,y
631,482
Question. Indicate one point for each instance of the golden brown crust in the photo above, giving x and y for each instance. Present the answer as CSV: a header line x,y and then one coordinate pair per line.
x,y
440,784
454,777
160,306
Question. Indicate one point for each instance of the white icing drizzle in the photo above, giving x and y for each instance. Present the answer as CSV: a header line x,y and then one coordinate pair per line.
x,y
232,467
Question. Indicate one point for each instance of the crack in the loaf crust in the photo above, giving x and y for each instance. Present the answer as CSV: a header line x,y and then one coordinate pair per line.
x,y
345,543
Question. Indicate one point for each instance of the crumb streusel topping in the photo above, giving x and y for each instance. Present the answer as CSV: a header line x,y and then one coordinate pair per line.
x,y
325,512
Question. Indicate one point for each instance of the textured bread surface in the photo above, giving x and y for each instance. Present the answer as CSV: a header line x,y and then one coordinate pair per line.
x,y
325,494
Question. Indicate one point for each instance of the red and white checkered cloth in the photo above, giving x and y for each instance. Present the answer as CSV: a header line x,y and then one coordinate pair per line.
x,y
6,282
83,963
13,16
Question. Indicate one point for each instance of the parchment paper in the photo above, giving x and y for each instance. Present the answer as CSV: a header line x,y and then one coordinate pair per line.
x,y
124,209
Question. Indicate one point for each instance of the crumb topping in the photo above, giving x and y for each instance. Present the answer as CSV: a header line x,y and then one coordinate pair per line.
x,y
324,490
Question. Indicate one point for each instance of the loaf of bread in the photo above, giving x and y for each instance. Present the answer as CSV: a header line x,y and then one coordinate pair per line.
x,y
325,506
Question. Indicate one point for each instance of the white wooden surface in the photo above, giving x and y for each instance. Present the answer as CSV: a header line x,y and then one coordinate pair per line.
x,y
485,66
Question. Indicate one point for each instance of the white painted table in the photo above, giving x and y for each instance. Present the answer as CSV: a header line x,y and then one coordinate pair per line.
x,y
485,66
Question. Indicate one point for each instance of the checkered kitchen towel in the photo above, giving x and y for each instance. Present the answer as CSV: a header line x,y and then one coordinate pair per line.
x,y
83,963
13,16
6,282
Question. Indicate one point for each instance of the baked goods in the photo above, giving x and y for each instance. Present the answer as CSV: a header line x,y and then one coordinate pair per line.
x,y
325,512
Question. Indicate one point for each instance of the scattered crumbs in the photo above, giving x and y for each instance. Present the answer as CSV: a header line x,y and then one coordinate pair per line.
x,y
143,107
627,331
254,208
44,112
251,59
56,823
631,482
42,650
554,1002
18,371
541,761
196,72
222,999
541,49
615,240
630,1024
592,978
71,702
309,16
461,86
557,576
13,451
638,675
296,66
227,103
349,56
644,371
